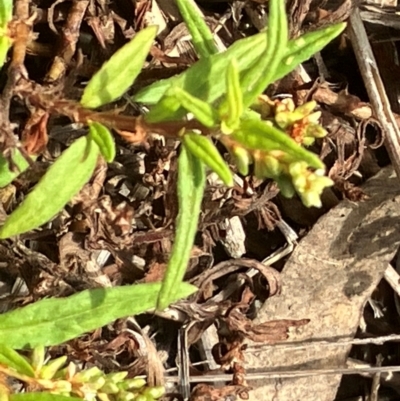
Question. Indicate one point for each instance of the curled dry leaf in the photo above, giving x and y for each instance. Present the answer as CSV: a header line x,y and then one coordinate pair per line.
x,y
204,280
34,136
272,276
268,332
108,223
156,272
227,353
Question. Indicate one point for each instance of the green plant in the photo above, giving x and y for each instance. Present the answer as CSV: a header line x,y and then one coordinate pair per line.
x,y
254,130
5,37
53,380
54,321
231,112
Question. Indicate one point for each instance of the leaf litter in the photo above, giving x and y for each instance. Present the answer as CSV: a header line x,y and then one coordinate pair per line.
x,y
118,229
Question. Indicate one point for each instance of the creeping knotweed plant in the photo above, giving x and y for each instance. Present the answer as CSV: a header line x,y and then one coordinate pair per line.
x,y
268,135
52,377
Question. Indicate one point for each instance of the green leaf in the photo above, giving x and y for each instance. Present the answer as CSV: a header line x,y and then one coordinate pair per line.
x,y
41,397
304,47
166,107
52,367
116,76
6,175
257,78
203,79
204,149
202,111
64,179
104,140
191,182
6,7
54,321
258,135
14,360
5,44
232,108
242,159
38,357
202,37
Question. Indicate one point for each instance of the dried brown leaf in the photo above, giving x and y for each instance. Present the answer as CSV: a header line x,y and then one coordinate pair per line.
x,y
268,332
204,392
156,272
34,136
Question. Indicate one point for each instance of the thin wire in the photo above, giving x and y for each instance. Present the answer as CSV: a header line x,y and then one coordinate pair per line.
x,y
275,374
304,345
328,343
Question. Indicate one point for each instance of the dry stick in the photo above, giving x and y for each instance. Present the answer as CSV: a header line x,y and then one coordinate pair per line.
x,y
380,104
375,88
21,29
387,378
393,279
376,380
69,39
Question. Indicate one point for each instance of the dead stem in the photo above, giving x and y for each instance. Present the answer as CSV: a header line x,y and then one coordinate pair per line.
x,y
375,88
21,29
69,39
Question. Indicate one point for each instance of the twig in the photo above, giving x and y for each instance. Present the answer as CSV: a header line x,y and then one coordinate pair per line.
x,y
375,88
387,378
21,28
69,39
376,380
393,279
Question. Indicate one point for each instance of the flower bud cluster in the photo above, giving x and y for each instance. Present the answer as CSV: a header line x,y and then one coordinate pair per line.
x,y
300,123
292,176
90,384
94,385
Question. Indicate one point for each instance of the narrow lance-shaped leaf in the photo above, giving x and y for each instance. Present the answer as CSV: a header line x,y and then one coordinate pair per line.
x,y
4,392
301,49
191,182
14,360
5,44
52,367
104,140
204,149
5,15
54,321
21,164
120,71
64,179
202,111
242,159
38,357
202,37
203,79
261,74
166,107
231,109
257,135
